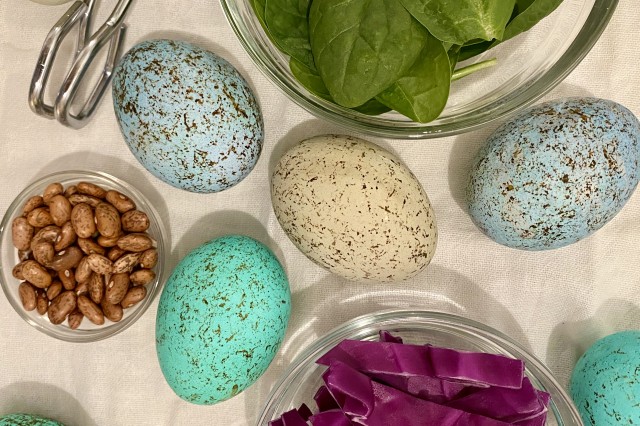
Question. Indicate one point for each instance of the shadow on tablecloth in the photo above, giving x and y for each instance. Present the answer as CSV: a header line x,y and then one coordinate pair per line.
x,y
570,339
44,400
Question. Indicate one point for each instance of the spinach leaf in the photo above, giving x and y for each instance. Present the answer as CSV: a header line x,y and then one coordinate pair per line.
x,y
309,78
527,14
454,53
286,20
258,8
361,47
372,107
421,94
459,21
531,15
313,83
522,5
469,51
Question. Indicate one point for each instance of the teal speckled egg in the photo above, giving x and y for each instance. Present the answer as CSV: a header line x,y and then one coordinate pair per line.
x,y
605,384
22,419
222,316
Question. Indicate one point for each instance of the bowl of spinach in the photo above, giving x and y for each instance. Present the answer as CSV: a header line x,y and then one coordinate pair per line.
x,y
417,68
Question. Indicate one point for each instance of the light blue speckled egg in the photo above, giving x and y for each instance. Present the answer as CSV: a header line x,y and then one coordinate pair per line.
x,y
605,384
556,173
222,316
22,419
187,115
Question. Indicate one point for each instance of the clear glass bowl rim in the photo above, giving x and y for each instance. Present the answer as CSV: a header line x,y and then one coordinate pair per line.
x,y
85,336
589,34
536,368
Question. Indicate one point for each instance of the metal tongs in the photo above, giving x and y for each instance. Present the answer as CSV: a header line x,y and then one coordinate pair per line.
x,y
86,50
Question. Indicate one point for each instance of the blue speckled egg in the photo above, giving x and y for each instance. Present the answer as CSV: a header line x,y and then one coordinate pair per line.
x,y
187,115
556,173
605,384
22,419
222,316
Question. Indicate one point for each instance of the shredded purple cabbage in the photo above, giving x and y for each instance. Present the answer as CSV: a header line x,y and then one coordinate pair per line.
x,y
324,400
389,383
386,336
295,417
488,369
331,418
509,405
305,412
417,360
424,387
367,402
539,420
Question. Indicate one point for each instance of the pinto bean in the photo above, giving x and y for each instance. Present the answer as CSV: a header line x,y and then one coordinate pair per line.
x,y
21,233
61,306
120,201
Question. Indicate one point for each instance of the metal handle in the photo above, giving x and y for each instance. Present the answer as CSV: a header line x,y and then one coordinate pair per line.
x,y
78,12
110,32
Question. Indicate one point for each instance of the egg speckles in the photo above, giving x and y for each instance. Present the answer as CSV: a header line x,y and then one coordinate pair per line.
x,y
27,420
556,173
187,115
221,318
605,384
354,208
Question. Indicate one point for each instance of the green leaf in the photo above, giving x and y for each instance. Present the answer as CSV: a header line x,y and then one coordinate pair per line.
x,y
287,23
313,83
467,52
536,11
522,5
421,94
459,21
527,14
258,8
361,47
372,107
454,53
309,79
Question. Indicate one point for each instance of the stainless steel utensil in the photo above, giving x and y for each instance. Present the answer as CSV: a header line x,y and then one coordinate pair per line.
x,y
111,32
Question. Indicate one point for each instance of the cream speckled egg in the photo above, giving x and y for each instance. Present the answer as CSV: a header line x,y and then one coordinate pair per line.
x,y
354,208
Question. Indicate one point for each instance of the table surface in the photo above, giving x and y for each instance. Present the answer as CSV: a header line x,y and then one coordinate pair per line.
x,y
555,303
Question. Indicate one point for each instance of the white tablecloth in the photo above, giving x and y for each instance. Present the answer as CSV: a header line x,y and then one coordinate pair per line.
x,y
555,303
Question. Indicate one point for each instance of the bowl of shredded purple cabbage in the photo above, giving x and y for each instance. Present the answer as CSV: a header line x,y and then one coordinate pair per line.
x,y
417,368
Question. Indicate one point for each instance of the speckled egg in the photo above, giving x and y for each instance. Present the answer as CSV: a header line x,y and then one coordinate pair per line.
x,y
556,173
605,384
221,318
22,419
187,115
354,208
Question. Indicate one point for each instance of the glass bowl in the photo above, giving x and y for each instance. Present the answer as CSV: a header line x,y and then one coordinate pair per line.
x,y
303,377
528,66
87,332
